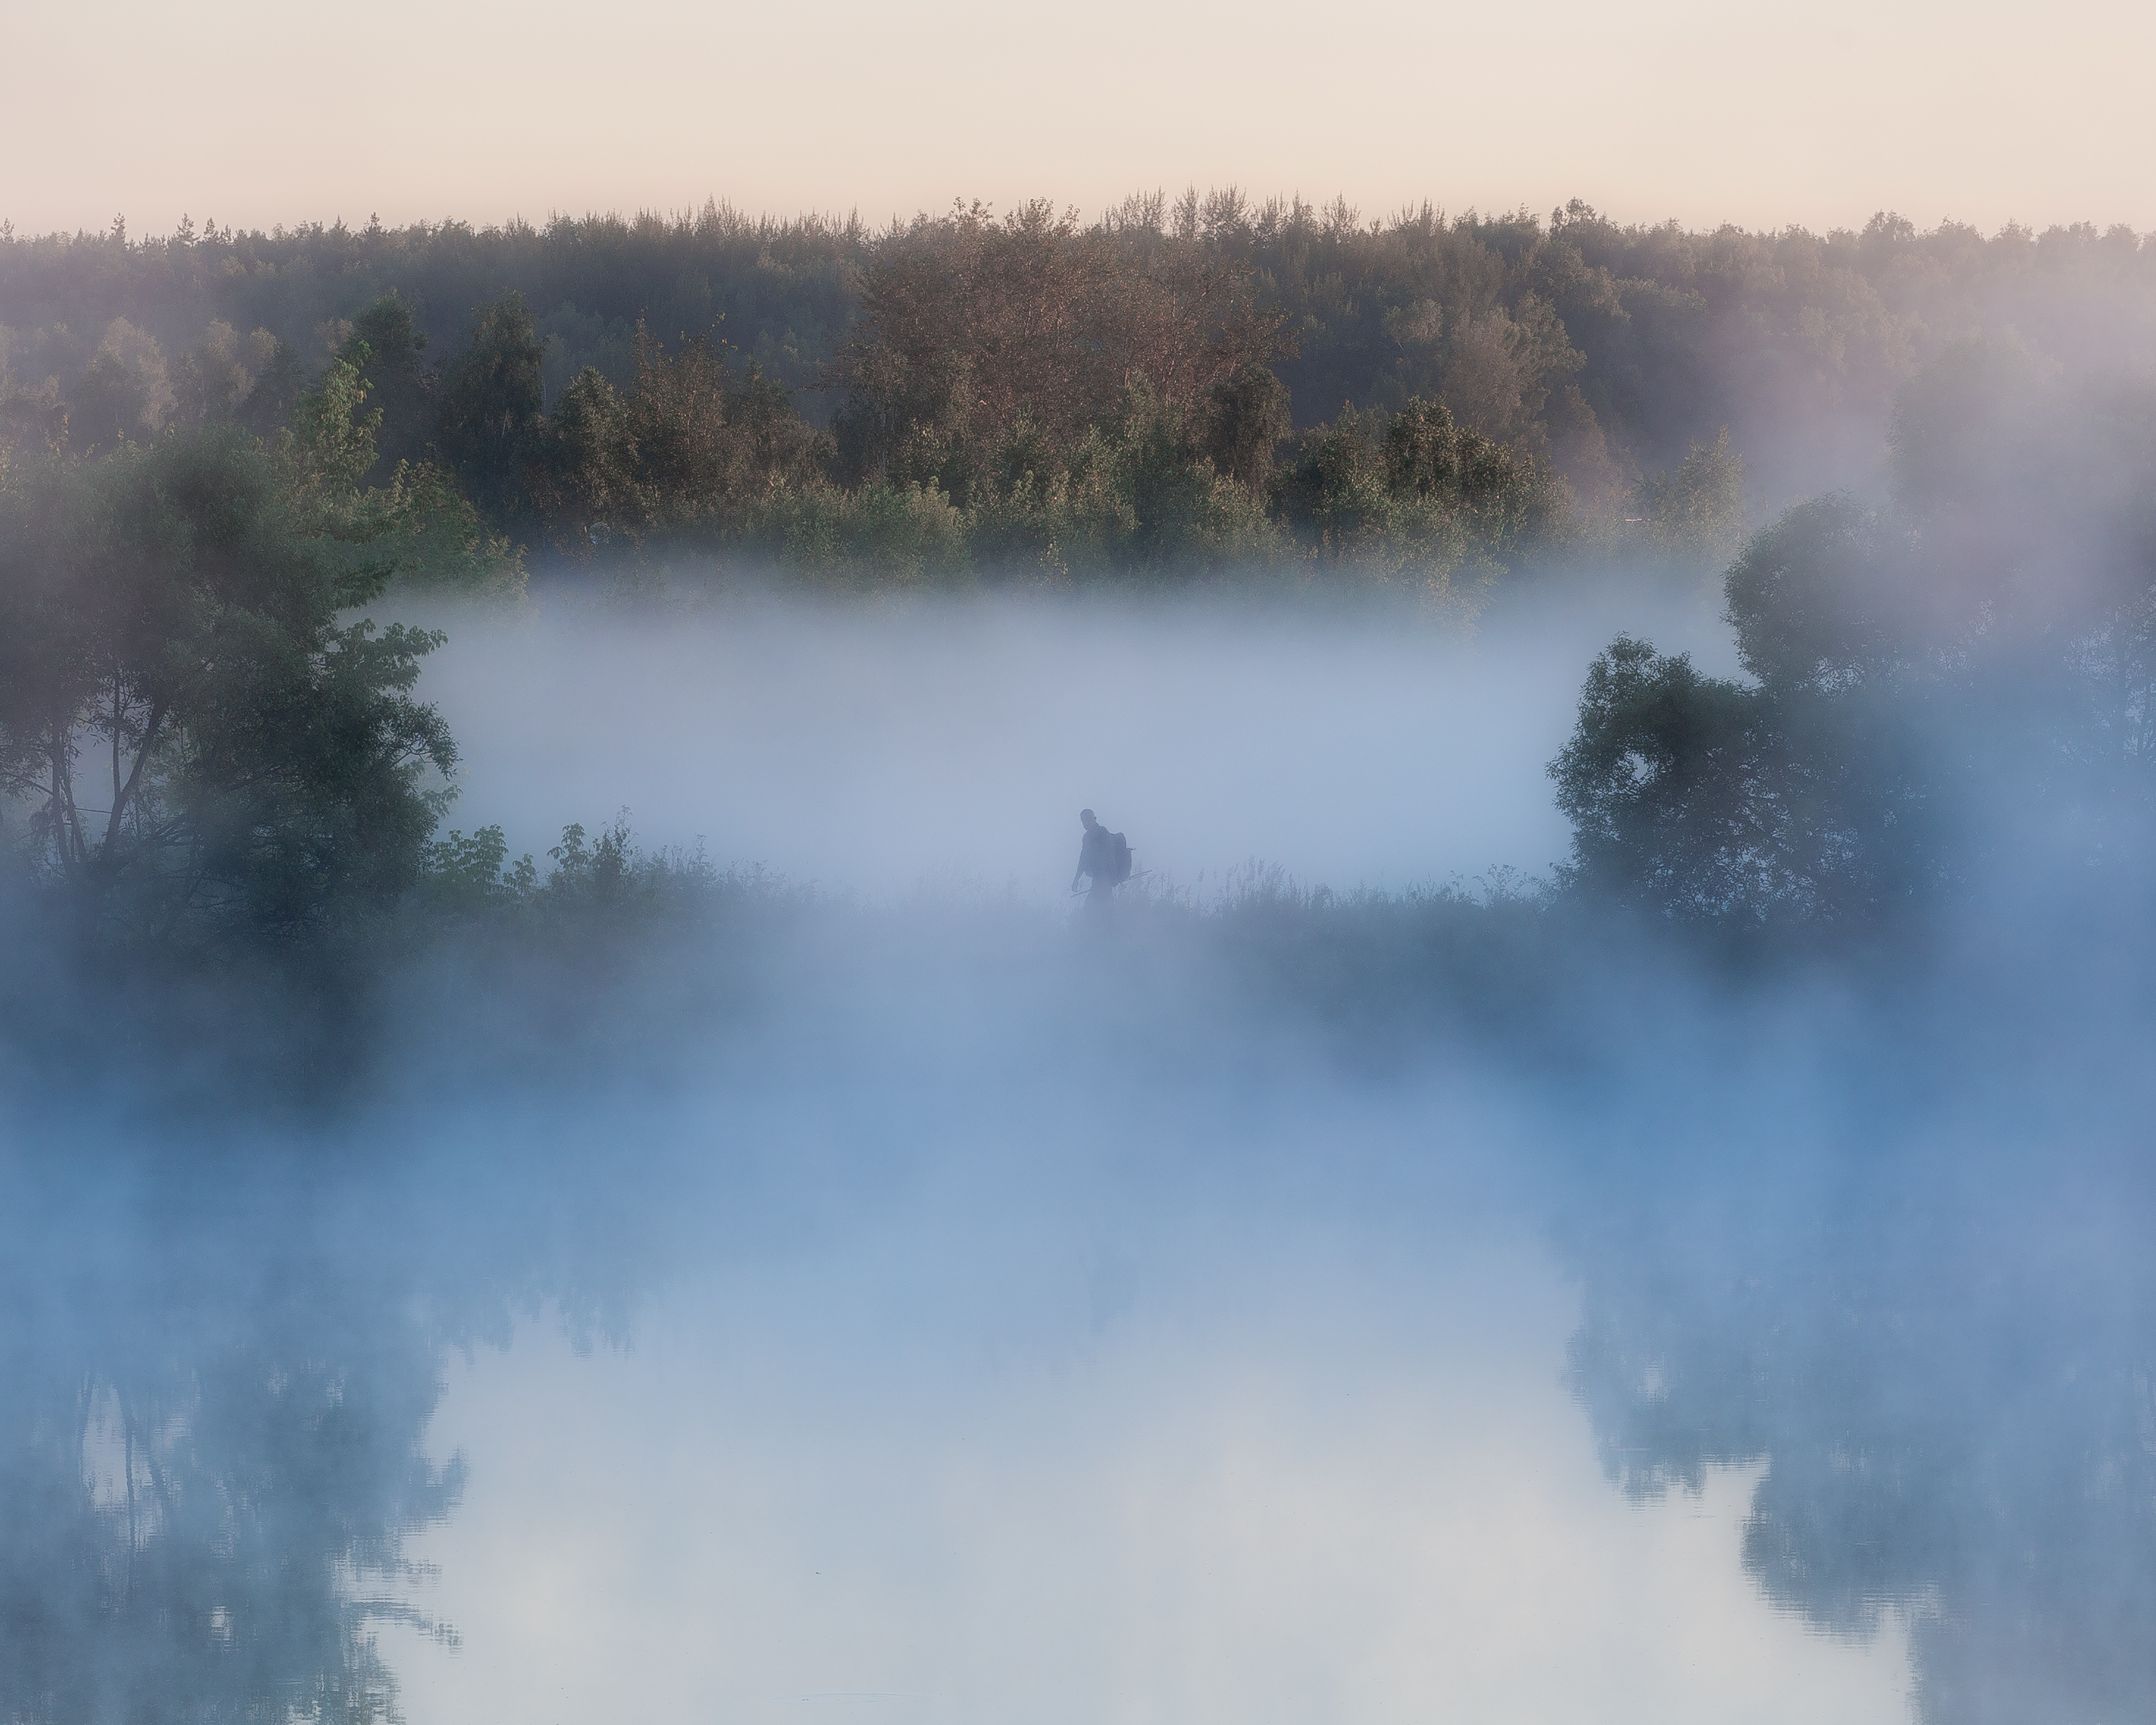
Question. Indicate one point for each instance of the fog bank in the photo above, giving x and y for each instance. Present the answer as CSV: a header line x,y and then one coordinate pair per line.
x,y
875,747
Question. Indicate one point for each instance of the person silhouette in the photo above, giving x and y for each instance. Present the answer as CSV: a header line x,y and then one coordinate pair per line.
x,y
1104,858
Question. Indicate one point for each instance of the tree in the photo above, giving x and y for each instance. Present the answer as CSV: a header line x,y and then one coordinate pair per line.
x,y
1336,489
1415,483
213,382
110,406
1824,789
1665,782
1824,600
971,326
583,472
1249,417
1696,511
489,401
385,348
198,750
1183,516
691,460
268,405
690,444
418,525
1997,624
1505,497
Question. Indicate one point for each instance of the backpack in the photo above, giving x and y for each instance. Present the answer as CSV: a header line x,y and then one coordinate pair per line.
x,y
1119,859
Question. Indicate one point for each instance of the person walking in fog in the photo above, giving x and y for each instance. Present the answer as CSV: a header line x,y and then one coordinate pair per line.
x,y
1104,858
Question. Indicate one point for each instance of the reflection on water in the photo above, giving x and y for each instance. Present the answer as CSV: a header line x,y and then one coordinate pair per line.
x,y
212,1453
1950,1401
1273,1473
965,1390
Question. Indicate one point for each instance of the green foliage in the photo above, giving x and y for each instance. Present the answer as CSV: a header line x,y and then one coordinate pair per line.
x,y
215,381
1820,791
690,448
419,527
423,527
706,443
687,458
1137,497
1695,512
1182,515
961,354
600,886
267,408
903,535
1664,782
488,404
2000,617
1415,491
1823,599
1338,491
1609,350
385,348
1506,499
581,470
333,433
1051,523
198,751
1247,419
464,877
974,330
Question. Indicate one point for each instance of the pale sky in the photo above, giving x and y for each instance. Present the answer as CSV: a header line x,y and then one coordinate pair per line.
x,y
255,113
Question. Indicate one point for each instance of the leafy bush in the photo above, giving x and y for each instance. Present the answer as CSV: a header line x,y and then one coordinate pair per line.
x,y
198,748
1997,623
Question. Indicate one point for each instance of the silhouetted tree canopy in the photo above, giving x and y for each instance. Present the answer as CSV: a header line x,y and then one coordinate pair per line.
x,y
1996,623
955,355
200,744
488,404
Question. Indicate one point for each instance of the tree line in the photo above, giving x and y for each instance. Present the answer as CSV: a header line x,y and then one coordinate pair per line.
x,y
1597,357
1665,334
206,746
1015,397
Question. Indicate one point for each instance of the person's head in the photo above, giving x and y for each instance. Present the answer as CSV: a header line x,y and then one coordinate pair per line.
x,y
1085,815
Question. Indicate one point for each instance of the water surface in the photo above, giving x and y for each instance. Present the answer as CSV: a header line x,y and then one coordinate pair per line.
x,y
972,1321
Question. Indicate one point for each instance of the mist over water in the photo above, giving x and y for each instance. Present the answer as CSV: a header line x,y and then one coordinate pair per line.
x,y
1598,1168
927,1312
872,748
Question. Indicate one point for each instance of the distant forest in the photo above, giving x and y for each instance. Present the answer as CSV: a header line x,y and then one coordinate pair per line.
x,y
223,452
1181,384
